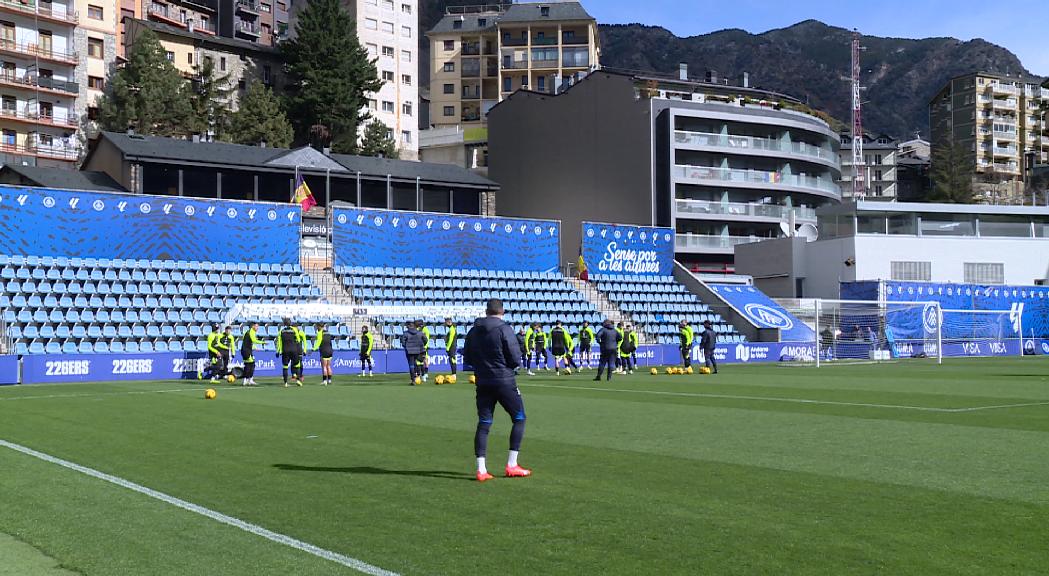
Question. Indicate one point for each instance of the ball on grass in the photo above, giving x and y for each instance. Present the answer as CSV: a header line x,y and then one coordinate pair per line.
x,y
450,379
568,371
210,394
473,379
704,370
418,381
688,370
438,380
231,378
654,371
670,370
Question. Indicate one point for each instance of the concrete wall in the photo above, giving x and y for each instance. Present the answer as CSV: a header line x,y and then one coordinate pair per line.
x,y
582,155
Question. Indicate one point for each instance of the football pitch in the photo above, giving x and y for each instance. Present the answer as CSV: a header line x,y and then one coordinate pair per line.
x,y
908,468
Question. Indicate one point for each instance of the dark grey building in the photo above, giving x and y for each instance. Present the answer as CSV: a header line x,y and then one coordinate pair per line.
x,y
721,164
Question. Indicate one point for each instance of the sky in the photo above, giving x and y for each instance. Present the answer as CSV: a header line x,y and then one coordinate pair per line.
x,y
1018,25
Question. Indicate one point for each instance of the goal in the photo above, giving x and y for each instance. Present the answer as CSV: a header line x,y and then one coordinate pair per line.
x,y
982,332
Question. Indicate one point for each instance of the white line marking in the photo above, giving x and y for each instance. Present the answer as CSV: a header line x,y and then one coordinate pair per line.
x,y
123,393
975,408
347,561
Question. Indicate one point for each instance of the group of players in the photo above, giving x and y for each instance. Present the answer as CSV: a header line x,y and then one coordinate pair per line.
x,y
291,346
559,343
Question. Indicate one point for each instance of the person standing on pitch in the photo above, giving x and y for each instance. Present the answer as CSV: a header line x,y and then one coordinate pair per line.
x,y
627,349
289,351
247,352
491,348
367,341
529,343
558,346
687,337
214,367
451,343
620,365
323,346
707,340
522,337
539,342
608,340
586,341
412,342
425,331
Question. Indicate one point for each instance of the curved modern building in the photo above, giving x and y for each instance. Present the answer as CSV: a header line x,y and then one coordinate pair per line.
x,y
722,164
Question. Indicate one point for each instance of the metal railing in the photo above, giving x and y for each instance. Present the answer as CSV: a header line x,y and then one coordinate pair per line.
x,y
35,117
247,27
706,207
544,41
545,63
753,176
31,82
515,64
752,143
701,241
31,8
32,148
38,51
248,6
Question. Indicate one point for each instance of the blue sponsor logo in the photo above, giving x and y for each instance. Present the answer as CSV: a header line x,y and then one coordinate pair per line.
x,y
768,316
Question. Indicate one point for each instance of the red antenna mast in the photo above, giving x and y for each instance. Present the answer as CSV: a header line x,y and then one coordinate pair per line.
x,y
859,167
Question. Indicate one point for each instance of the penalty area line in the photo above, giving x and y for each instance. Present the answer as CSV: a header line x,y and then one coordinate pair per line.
x,y
317,551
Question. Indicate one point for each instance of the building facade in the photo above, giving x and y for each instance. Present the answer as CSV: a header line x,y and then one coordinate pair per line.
x,y
999,122
722,165
879,158
481,55
262,22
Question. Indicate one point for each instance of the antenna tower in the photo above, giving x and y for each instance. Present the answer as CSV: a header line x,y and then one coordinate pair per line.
x,y
859,167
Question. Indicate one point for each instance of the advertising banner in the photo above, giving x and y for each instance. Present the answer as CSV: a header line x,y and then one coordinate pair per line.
x,y
628,250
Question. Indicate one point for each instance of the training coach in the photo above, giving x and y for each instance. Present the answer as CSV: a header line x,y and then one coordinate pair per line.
x,y
492,350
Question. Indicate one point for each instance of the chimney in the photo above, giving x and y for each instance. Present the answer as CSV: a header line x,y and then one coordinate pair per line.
x,y
196,138
327,151
130,130
745,80
262,144
682,71
712,76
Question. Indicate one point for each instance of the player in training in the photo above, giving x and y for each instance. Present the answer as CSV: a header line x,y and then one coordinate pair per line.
x,y
323,346
451,343
412,342
540,340
215,369
686,336
247,353
560,347
289,351
708,341
425,331
367,341
608,340
491,348
529,344
627,350
620,368
522,336
586,341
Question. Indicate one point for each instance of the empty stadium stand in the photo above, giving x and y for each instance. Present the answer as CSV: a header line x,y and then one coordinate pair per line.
x,y
79,305
659,303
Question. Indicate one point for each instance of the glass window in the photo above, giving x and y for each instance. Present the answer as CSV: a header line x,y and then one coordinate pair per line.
x,y
406,55
387,4
95,82
871,223
387,76
387,27
902,224
373,50
449,45
406,8
449,66
387,106
387,51
449,110
449,88
371,24
95,47
94,12
406,31
947,225
406,137
1015,227
406,79
406,108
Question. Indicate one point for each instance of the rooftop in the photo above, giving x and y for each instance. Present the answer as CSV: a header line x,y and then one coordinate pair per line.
x,y
931,208
518,13
58,178
205,39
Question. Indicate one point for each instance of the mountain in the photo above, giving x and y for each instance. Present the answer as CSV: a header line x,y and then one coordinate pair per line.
x,y
807,60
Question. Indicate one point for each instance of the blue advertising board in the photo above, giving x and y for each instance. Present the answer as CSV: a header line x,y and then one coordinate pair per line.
x,y
46,222
628,250
763,312
1028,306
8,369
381,238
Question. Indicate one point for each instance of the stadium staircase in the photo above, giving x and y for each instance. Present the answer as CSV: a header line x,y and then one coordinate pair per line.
x,y
608,309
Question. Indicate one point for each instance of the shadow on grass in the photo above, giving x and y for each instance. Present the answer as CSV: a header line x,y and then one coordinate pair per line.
x,y
442,474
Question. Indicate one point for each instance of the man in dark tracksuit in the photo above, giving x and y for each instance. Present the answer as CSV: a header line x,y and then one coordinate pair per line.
x,y
226,344
367,341
491,348
586,340
247,353
708,340
289,350
214,369
451,343
608,339
324,346
412,341
522,338
557,346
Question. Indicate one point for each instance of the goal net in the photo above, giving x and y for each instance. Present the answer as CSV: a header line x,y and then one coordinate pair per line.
x,y
982,332
871,331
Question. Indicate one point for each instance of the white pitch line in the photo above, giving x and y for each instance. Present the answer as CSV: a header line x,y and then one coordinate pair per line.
x,y
124,393
317,551
791,400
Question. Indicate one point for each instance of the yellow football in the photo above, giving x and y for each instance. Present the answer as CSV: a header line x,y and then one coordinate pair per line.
x,y
450,379
704,370
679,370
210,394
568,370
438,380
231,378
688,370
473,379
654,371
670,370
418,381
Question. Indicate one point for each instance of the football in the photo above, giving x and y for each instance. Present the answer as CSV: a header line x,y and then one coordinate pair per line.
x,y
438,380
568,370
670,370
210,394
654,371
704,370
418,381
688,370
231,378
451,379
473,379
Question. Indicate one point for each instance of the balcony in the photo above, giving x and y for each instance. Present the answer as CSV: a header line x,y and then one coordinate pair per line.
x,y
204,27
1005,104
162,13
1004,89
471,72
247,28
32,148
248,7
42,83
34,118
1000,167
515,41
704,243
30,8
744,210
575,57
1004,151
545,63
544,41
750,143
704,174
37,51
573,40
515,64
471,49
1004,134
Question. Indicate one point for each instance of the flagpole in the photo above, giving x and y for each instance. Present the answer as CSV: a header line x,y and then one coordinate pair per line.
x,y
294,184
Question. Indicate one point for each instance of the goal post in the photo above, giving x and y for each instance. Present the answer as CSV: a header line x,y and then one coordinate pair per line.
x,y
982,332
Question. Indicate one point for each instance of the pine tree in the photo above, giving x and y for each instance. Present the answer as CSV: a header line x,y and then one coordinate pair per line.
x,y
377,141
210,101
260,119
329,75
952,173
146,94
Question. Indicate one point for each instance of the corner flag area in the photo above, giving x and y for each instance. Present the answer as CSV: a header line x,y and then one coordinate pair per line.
x,y
893,468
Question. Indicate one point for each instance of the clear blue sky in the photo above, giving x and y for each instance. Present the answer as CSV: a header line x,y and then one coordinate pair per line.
x,y
1022,26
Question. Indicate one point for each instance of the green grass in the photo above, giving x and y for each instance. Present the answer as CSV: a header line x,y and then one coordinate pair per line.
x,y
881,472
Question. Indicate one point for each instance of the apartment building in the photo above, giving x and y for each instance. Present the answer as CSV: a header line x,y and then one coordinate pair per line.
x,y
999,120
723,164
479,55
241,61
879,159
263,22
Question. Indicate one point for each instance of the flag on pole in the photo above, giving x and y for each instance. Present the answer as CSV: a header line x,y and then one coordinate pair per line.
x,y
584,274
303,196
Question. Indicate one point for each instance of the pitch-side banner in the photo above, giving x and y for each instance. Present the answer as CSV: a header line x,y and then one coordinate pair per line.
x,y
382,238
46,222
628,250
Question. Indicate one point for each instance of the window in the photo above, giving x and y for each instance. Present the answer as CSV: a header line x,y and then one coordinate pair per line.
x,y
911,271
9,104
984,273
406,108
265,7
508,84
189,58
449,88
95,47
482,22
524,81
373,104
457,25
541,83
92,112
46,140
95,82
10,137
387,76
449,66
241,84
387,4
406,55
877,158
406,79
406,8
449,45
222,63
449,110
94,12
371,24
406,31
387,51
267,75
387,106
170,56
544,10
387,27
373,50
406,136
877,175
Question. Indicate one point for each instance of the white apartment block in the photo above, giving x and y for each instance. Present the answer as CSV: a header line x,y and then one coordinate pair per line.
x,y
389,29
879,170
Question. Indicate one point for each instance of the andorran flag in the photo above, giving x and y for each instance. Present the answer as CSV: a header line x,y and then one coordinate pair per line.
x,y
584,274
303,195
